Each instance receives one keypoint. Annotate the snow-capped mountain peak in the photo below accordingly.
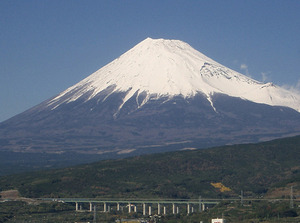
(161, 95)
(160, 67)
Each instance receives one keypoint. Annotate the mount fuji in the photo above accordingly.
(161, 95)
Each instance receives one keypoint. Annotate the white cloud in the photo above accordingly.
(265, 76)
(297, 87)
(245, 68)
(294, 88)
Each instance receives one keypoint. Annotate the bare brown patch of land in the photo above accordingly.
(13, 195)
(10, 194)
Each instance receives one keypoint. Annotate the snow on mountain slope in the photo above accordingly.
(161, 67)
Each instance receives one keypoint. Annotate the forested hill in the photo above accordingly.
(216, 172)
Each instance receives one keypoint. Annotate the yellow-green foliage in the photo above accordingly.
(221, 187)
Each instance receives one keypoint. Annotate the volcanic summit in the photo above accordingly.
(161, 95)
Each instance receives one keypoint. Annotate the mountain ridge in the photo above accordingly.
(110, 121)
(254, 168)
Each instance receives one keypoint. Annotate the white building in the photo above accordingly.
(218, 220)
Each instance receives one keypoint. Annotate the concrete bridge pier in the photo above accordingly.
(188, 208)
(173, 208)
(118, 207)
(104, 207)
(76, 206)
(129, 207)
(144, 209)
(158, 209)
(91, 207)
(165, 210)
(150, 210)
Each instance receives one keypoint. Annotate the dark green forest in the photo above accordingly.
(265, 172)
(253, 168)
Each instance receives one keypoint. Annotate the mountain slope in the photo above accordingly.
(156, 68)
(161, 95)
(253, 168)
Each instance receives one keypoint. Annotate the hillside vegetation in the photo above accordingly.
(211, 173)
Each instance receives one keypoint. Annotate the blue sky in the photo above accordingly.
(48, 45)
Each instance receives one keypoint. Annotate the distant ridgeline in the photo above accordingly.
(212, 173)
